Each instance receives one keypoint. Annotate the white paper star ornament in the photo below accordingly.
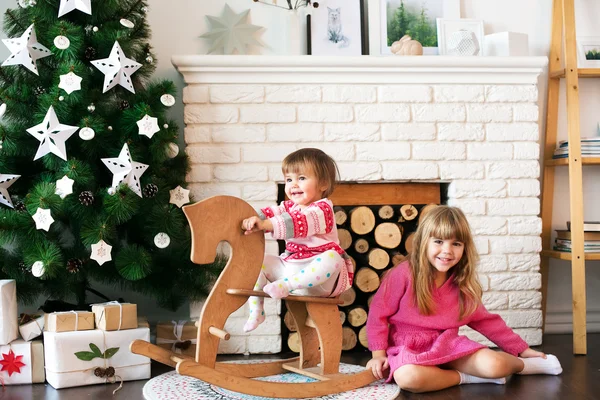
(42, 219)
(230, 32)
(179, 196)
(52, 135)
(101, 252)
(66, 6)
(117, 69)
(148, 126)
(125, 170)
(5, 182)
(25, 50)
(70, 82)
(64, 186)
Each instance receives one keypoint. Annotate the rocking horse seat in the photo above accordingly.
(302, 299)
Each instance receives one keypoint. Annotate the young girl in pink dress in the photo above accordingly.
(415, 315)
(313, 264)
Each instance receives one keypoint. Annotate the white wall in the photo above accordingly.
(177, 24)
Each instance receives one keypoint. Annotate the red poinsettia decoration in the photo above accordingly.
(11, 363)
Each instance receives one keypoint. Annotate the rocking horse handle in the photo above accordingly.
(212, 221)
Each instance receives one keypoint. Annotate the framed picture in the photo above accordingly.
(389, 20)
(588, 52)
(460, 37)
(336, 29)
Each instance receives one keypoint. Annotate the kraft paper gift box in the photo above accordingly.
(114, 316)
(177, 336)
(66, 321)
(9, 329)
(73, 357)
(25, 365)
(31, 326)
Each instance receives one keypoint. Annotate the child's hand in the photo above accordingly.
(529, 352)
(255, 224)
(378, 365)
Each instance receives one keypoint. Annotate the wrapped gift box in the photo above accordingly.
(25, 365)
(9, 329)
(72, 357)
(31, 326)
(177, 336)
(68, 321)
(114, 316)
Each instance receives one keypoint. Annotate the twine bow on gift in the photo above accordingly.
(111, 303)
(76, 317)
(178, 344)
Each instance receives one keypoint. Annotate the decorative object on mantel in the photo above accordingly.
(297, 4)
(407, 47)
(338, 29)
(588, 51)
(231, 32)
(506, 44)
(463, 43)
(460, 37)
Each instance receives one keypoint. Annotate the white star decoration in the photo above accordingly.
(66, 6)
(70, 82)
(101, 252)
(42, 219)
(117, 68)
(179, 196)
(126, 170)
(5, 182)
(52, 135)
(231, 31)
(25, 50)
(64, 186)
(148, 126)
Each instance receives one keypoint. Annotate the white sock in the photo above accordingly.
(466, 379)
(538, 365)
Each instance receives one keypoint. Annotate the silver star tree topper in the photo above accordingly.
(117, 68)
(66, 6)
(230, 32)
(126, 170)
(5, 182)
(25, 50)
(52, 135)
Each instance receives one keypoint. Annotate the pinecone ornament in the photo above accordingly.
(38, 91)
(74, 265)
(20, 206)
(90, 53)
(86, 198)
(150, 190)
(124, 105)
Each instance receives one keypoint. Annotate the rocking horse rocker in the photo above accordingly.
(320, 329)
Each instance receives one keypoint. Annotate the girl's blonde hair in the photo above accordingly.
(444, 222)
(324, 167)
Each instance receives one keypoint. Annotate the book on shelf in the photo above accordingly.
(588, 226)
(588, 244)
(590, 147)
(561, 234)
(568, 249)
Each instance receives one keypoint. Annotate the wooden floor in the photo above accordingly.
(579, 381)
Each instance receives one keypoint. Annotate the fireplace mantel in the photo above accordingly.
(361, 69)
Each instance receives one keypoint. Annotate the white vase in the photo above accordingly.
(290, 30)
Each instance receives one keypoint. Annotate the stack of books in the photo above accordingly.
(590, 147)
(591, 238)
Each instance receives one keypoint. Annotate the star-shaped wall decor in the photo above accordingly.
(64, 186)
(42, 219)
(101, 252)
(70, 82)
(117, 68)
(148, 126)
(11, 363)
(126, 170)
(230, 32)
(5, 182)
(66, 6)
(179, 196)
(52, 135)
(25, 50)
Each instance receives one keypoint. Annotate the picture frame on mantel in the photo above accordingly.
(385, 19)
(588, 51)
(336, 28)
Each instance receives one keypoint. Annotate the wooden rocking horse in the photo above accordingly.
(219, 219)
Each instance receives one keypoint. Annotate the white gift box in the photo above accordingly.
(72, 357)
(9, 329)
(506, 44)
(28, 357)
(33, 328)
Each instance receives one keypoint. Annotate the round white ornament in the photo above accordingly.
(95, 29)
(2, 110)
(162, 240)
(111, 191)
(62, 42)
(87, 133)
(172, 150)
(61, 98)
(167, 100)
(37, 269)
(127, 23)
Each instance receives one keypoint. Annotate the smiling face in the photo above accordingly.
(444, 254)
(303, 187)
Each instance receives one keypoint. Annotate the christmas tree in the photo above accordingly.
(91, 177)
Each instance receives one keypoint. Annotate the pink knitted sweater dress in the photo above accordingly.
(395, 325)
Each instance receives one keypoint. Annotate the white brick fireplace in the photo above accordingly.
(470, 122)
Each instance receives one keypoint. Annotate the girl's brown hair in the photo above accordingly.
(444, 222)
(323, 166)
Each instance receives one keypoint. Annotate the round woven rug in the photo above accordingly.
(172, 386)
